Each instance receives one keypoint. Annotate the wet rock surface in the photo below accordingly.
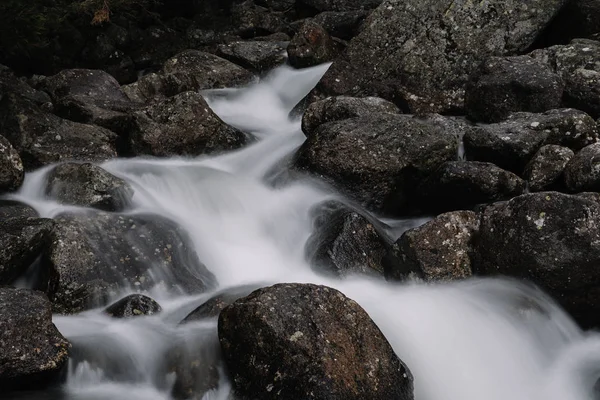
(308, 341)
(582, 173)
(33, 353)
(256, 56)
(545, 170)
(132, 306)
(311, 46)
(212, 307)
(11, 167)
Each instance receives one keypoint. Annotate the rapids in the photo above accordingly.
(249, 221)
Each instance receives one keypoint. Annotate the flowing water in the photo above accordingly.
(486, 339)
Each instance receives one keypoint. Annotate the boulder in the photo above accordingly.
(251, 20)
(512, 143)
(9, 83)
(461, 185)
(256, 56)
(549, 238)
(300, 341)
(378, 159)
(277, 5)
(343, 107)
(11, 167)
(132, 306)
(212, 307)
(419, 53)
(341, 24)
(95, 256)
(503, 85)
(33, 353)
(341, 5)
(439, 250)
(88, 185)
(344, 242)
(577, 19)
(545, 170)
(582, 173)
(311, 46)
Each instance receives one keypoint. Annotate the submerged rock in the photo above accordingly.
(132, 306)
(11, 167)
(582, 173)
(311, 46)
(307, 341)
(545, 170)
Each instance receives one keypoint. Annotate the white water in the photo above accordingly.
(471, 340)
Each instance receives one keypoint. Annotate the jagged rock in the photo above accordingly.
(11, 167)
(9, 83)
(545, 169)
(132, 306)
(251, 20)
(341, 24)
(303, 340)
(212, 307)
(549, 238)
(419, 53)
(439, 250)
(341, 5)
(94, 256)
(256, 56)
(503, 85)
(33, 353)
(311, 46)
(512, 143)
(461, 185)
(582, 173)
(88, 185)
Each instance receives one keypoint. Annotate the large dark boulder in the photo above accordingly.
(33, 353)
(342, 24)
(11, 167)
(133, 305)
(551, 239)
(582, 173)
(250, 20)
(512, 143)
(439, 250)
(419, 53)
(94, 256)
(300, 341)
(377, 159)
(577, 19)
(503, 85)
(88, 185)
(212, 307)
(311, 46)
(256, 56)
(545, 170)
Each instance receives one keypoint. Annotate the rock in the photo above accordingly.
(9, 83)
(341, 5)
(33, 353)
(212, 307)
(419, 54)
(461, 185)
(343, 107)
(550, 239)
(181, 125)
(11, 167)
(23, 236)
(256, 56)
(577, 19)
(251, 20)
(582, 173)
(132, 306)
(146, 89)
(512, 143)
(311, 46)
(379, 158)
(439, 250)
(94, 256)
(545, 170)
(503, 85)
(344, 242)
(302, 341)
(277, 5)
(88, 185)
(341, 24)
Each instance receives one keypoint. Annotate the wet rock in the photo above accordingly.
(88, 185)
(549, 238)
(212, 307)
(341, 24)
(379, 158)
(256, 56)
(545, 170)
(251, 20)
(303, 340)
(343, 107)
(311, 46)
(582, 173)
(132, 306)
(512, 143)
(461, 185)
(11, 167)
(344, 242)
(341, 5)
(33, 353)
(419, 54)
(181, 125)
(503, 85)
(94, 256)
(439, 250)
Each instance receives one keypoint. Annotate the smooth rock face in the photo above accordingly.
(511, 144)
(95, 256)
(419, 53)
(298, 341)
(88, 185)
(439, 250)
(132, 306)
(377, 159)
(545, 170)
(461, 185)
(582, 173)
(32, 351)
(11, 167)
(212, 307)
(549, 238)
(311, 46)
(503, 85)
(255, 56)
(345, 242)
